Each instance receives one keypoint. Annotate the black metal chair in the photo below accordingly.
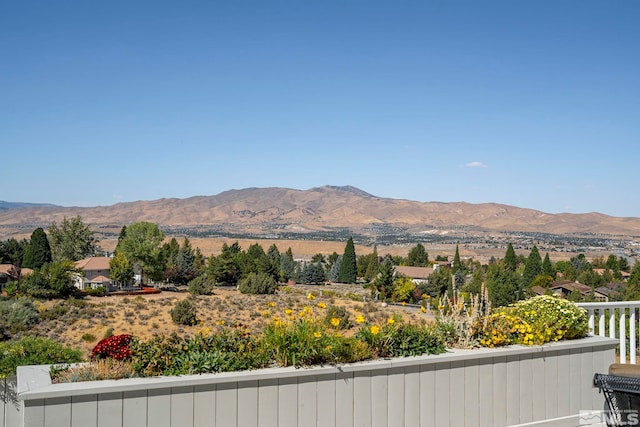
(621, 389)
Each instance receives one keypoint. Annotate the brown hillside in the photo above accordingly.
(258, 210)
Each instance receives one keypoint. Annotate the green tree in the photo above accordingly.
(38, 251)
(418, 256)
(373, 267)
(382, 285)
(348, 268)
(141, 245)
(533, 266)
(72, 240)
(121, 269)
(504, 286)
(312, 274)
(12, 251)
(510, 260)
(287, 266)
(457, 264)
(60, 277)
(547, 268)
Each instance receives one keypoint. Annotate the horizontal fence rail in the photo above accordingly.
(619, 320)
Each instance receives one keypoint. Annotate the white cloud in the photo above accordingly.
(475, 165)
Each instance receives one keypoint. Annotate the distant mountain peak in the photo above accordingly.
(346, 188)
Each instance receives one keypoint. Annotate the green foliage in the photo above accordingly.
(348, 268)
(141, 245)
(201, 285)
(31, 350)
(533, 266)
(12, 251)
(17, 315)
(303, 343)
(121, 269)
(88, 337)
(418, 256)
(38, 251)
(258, 283)
(510, 260)
(312, 274)
(457, 264)
(72, 240)
(536, 320)
(397, 339)
(382, 285)
(403, 288)
(184, 313)
(228, 350)
(100, 291)
(337, 318)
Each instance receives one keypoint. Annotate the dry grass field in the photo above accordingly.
(147, 315)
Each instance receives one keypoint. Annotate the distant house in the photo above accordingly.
(9, 273)
(624, 274)
(564, 287)
(417, 274)
(95, 273)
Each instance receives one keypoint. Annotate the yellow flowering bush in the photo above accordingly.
(537, 320)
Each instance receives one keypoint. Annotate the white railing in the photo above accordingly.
(603, 318)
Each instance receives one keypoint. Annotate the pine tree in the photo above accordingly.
(533, 266)
(38, 251)
(547, 268)
(374, 265)
(510, 260)
(457, 264)
(348, 267)
(418, 256)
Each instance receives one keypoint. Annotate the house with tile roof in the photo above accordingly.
(94, 273)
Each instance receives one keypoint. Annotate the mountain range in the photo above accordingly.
(327, 209)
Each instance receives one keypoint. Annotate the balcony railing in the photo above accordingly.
(616, 320)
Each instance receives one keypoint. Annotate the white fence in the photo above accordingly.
(545, 385)
(616, 320)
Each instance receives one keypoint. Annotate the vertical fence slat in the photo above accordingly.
(632, 335)
(592, 322)
(612, 323)
(623, 336)
(601, 328)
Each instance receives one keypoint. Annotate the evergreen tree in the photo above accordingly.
(334, 271)
(373, 267)
(533, 266)
(418, 256)
(510, 260)
(312, 274)
(348, 267)
(38, 251)
(287, 266)
(12, 251)
(273, 254)
(123, 232)
(547, 268)
(382, 285)
(457, 264)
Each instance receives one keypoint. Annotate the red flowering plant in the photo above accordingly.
(114, 347)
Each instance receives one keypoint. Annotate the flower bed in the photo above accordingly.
(321, 335)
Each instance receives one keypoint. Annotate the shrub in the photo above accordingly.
(184, 313)
(201, 285)
(258, 283)
(337, 318)
(88, 337)
(114, 347)
(18, 315)
(31, 350)
(105, 369)
(108, 332)
(536, 320)
(100, 291)
(396, 339)
(228, 350)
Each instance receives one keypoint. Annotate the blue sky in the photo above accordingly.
(534, 104)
